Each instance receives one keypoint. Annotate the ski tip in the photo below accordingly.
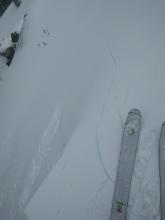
(135, 111)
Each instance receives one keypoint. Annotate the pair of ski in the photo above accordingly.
(126, 166)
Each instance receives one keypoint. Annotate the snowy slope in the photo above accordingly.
(80, 67)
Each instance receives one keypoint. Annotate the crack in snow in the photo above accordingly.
(101, 116)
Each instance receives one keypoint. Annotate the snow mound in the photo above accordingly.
(9, 44)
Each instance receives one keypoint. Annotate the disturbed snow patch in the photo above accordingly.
(42, 161)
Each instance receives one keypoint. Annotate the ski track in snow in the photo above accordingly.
(40, 163)
(100, 156)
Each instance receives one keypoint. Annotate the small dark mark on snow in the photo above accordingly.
(44, 43)
(113, 57)
(46, 31)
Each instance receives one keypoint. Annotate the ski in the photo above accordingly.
(125, 168)
(162, 170)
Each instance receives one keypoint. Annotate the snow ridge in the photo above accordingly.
(40, 163)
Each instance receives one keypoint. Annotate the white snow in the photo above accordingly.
(98, 59)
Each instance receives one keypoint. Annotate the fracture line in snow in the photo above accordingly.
(101, 115)
(98, 142)
(100, 156)
(113, 58)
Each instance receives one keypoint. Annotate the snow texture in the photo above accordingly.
(42, 163)
(99, 59)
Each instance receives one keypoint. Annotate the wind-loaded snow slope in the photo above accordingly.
(79, 68)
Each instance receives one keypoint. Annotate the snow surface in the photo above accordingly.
(80, 67)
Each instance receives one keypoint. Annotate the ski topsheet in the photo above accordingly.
(125, 165)
(162, 170)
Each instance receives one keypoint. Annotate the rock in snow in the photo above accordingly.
(9, 44)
